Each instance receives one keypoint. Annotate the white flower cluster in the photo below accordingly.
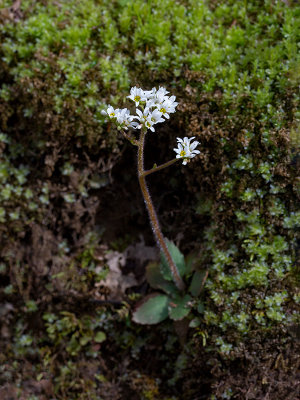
(186, 149)
(154, 105)
(122, 117)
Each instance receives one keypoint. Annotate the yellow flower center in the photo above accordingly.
(163, 110)
(112, 114)
(182, 153)
(137, 98)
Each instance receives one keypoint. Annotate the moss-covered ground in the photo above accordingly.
(75, 237)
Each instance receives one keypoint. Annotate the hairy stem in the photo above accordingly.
(152, 214)
(160, 167)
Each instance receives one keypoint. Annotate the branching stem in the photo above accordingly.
(152, 214)
(160, 167)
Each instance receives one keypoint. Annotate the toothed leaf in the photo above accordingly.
(157, 281)
(177, 258)
(152, 309)
(179, 308)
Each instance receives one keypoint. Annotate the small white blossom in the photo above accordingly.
(167, 106)
(142, 116)
(124, 119)
(149, 124)
(154, 92)
(156, 117)
(150, 94)
(111, 112)
(162, 91)
(149, 118)
(123, 115)
(156, 97)
(186, 149)
(137, 95)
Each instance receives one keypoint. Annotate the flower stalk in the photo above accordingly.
(154, 105)
(152, 214)
(160, 167)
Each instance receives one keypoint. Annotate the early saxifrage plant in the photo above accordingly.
(153, 107)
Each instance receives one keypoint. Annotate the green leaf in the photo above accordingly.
(152, 309)
(157, 281)
(100, 337)
(179, 308)
(178, 259)
(197, 283)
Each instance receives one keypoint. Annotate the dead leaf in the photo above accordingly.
(116, 281)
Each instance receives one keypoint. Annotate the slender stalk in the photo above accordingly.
(160, 167)
(152, 214)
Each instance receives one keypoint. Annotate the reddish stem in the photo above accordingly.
(152, 214)
(160, 167)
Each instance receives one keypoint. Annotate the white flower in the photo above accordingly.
(186, 149)
(150, 94)
(121, 117)
(167, 106)
(111, 112)
(149, 118)
(124, 119)
(149, 124)
(162, 91)
(155, 116)
(156, 97)
(142, 116)
(137, 95)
